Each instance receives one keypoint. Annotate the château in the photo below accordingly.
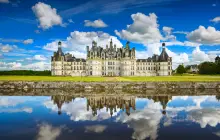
(110, 61)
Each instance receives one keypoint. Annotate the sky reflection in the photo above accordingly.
(109, 117)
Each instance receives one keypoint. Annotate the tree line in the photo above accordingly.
(203, 68)
(26, 72)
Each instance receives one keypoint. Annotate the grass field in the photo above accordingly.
(112, 79)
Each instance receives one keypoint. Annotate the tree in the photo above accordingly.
(26, 72)
(187, 68)
(180, 69)
(208, 68)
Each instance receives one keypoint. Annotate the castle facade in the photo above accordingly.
(111, 61)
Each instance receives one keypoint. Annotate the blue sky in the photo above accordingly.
(30, 30)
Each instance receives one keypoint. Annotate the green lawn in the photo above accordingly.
(112, 79)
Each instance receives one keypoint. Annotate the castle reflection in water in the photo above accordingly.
(111, 103)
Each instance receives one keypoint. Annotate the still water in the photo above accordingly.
(109, 117)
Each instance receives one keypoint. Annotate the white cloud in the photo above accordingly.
(95, 128)
(199, 56)
(18, 66)
(78, 54)
(144, 29)
(168, 33)
(5, 48)
(70, 21)
(4, 1)
(48, 132)
(14, 110)
(39, 57)
(178, 58)
(10, 65)
(77, 41)
(191, 44)
(209, 36)
(181, 32)
(216, 20)
(214, 52)
(167, 30)
(53, 46)
(96, 23)
(37, 66)
(28, 41)
(47, 16)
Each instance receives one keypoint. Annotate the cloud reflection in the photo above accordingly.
(145, 123)
(95, 128)
(48, 132)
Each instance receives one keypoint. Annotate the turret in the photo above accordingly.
(60, 52)
(163, 56)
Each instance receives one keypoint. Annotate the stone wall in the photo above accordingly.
(107, 85)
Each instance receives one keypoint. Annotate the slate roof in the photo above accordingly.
(163, 56)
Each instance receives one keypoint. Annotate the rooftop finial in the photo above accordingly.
(163, 44)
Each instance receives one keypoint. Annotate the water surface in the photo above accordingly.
(114, 116)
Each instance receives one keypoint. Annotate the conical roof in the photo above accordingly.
(163, 56)
(60, 52)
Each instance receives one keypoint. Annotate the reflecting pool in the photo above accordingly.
(109, 116)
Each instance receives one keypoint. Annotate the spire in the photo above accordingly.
(111, 44)
(127, 45)
(59, 44)
(60, 52)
